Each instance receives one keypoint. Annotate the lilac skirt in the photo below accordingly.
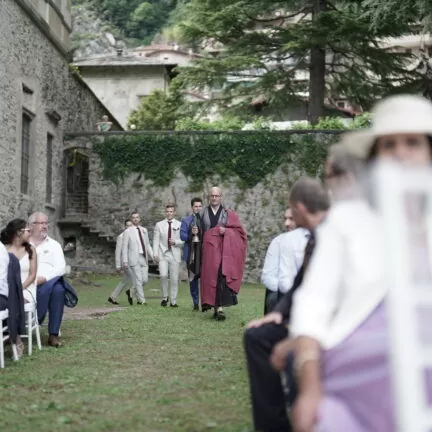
(356, 381)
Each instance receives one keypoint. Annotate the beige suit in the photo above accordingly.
(127, 277)
(134, 258)
(169, 258)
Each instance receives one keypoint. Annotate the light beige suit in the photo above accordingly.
(169, 259)
(134, 259)
(127, 276)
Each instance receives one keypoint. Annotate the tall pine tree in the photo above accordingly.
(264, 50)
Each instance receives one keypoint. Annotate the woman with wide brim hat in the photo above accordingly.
(338, 319)
(401, 129)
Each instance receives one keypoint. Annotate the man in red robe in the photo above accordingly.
(223, 256)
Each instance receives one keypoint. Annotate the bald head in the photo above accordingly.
(215, 196)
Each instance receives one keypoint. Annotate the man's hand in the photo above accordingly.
(280, 353)
(305, 411)
(40, 280)
(156, 259)
(272, 317)
(195, 230)
(172, 241)
(125, 265)
(119, 270)
(221, 230)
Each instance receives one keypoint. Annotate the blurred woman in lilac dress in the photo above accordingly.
(339, 319)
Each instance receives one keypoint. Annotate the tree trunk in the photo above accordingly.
(317, 72)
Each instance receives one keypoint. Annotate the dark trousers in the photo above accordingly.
(51, 299)
(268, 398)
(271, 299)
(194, 291)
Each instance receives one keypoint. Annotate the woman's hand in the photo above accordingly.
(280, 353)
(305, 412)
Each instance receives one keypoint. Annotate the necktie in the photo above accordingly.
(169, 234)
(141, 241)
(308, 251)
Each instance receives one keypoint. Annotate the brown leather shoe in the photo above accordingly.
(54, 341)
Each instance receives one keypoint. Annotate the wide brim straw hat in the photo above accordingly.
(401, 114)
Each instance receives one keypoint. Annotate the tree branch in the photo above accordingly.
(306, 9)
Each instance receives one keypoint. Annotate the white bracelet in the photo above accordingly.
(304, 358)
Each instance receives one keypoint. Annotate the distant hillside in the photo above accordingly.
(102, 25)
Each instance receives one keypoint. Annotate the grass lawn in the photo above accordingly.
(145, 368)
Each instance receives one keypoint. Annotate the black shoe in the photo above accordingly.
(164, 303)
(130, 300)
(174, 305)
(110, 300)
(196, 308)
(220, 316)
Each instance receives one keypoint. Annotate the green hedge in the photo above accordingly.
(247, 156)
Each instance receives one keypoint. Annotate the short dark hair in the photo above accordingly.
(195, 200)
(311, 194)
(170, 205)
(134, 213)
(126, 221)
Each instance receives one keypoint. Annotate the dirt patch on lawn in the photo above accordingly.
(89, 313)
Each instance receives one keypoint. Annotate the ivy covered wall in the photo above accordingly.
(143, 171)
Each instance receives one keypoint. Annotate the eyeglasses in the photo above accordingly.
(25, 229)
(40, 223)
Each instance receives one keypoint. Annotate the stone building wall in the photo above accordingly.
(260, 208)
(36, 81)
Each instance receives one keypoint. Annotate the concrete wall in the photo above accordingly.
(35, 79)
(121, 88)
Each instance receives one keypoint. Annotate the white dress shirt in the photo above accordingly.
(50, 259)
(292, 249)
(4, 265)
(345, 279)
(283, 259)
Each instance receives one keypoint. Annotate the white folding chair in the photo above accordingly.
(4, 315)
(32, 324)
(410, 356)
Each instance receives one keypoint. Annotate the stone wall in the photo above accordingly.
(35, 79)
(260, 208)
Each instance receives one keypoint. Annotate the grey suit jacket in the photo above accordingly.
(130, 248)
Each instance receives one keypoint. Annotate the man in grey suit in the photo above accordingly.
(127, 278)
(136, 253)
(167, 246)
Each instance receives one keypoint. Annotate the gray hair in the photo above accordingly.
(311, 194)
(32, 218)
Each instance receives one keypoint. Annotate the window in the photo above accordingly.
(49, 161)
(25, 153)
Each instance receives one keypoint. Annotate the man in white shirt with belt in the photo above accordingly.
(167, 247)
(50, 296)
(283, 259)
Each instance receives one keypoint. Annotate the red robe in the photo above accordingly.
(229, 251)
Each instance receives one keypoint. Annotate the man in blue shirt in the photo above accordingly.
(190, 248)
